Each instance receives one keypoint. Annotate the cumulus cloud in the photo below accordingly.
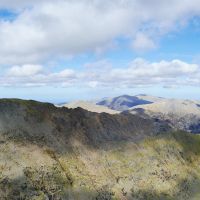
(143, 73)
(48, 29)
(35, 76)
(24, 70)
(137, 73)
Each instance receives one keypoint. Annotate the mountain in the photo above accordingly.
(56, 153)
(35, 119)
(182, 114)
(122, 103)
(167, 106)
(90, 106)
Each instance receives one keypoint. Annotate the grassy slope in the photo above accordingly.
(160, 167)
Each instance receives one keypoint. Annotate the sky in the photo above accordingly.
(67, 50)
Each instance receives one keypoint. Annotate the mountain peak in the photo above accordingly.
(123, 102)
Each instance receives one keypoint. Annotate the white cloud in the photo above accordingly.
(138, 73)
(49, 29)
(24, 70)
(64, 74)
(36, 76)
(143, 73)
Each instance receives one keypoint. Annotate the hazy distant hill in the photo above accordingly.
(123, 102)
(182, 114)
(56, 153)
(149, 98)
(90, 106)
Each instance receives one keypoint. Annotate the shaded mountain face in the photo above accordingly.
(32, 120)
(65, 154)
(123, 102)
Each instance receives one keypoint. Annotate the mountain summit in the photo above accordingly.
(122, 103)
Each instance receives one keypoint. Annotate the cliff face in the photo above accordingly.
(58, 153)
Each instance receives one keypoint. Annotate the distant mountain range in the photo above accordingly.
(113, 105)
(181, 114)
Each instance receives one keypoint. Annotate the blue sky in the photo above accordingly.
(86, 49)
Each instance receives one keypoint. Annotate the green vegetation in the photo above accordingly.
(163, 167)
(33, 108)
(40, 162)
(51, 181)
(41, 183)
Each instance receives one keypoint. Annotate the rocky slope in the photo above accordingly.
(58, 153)
(182, 114)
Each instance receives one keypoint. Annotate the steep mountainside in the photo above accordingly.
(59, 154)
(123, 102)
